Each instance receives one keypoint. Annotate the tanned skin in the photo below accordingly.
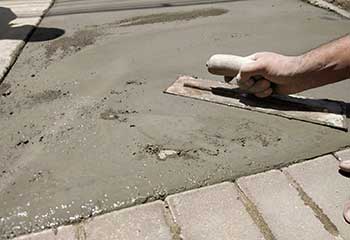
(281, 74)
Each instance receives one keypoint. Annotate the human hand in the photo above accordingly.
(271, 73)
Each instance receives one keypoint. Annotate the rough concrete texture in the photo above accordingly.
(282, 207)
(84, 116)
(141, 222)
(62, 233)
(213, 212)
(343, 154)
(321, 181)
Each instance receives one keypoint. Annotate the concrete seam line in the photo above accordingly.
(329, 6)
(254, 213)
(328, 225)
(341, 149)
(80, 233)
(175, 229)
(15, 54)
(335, 156)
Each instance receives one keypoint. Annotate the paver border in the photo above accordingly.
(18, 45)
(329, 6)
(175, 229)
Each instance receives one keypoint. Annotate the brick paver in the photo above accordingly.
(142, 222)
(63, 233)
(320, 179)
(282, 208)
(213, 212)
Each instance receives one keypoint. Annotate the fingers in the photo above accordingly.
(259, 86)
(264, 94)
(247, 72)
(244, 84)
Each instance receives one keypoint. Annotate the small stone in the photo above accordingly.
(163, 154)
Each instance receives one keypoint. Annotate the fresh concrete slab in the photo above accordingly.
(141, 222)
(86, 117)
(214, 212)
(321, 181)
(282, 208)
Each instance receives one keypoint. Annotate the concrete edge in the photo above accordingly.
(79, 227)
(329, 6)
(6, 67)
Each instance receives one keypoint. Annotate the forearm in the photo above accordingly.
(327, 64)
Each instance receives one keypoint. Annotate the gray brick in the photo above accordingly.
(343, 155)
(213, 212)
(282, 208)
(321, 181)
(141, 222)
(63, 233)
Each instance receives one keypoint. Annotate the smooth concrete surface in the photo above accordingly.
(86, 116)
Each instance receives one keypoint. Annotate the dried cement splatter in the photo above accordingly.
(45, 96)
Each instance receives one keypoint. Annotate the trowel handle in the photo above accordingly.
(226, 65)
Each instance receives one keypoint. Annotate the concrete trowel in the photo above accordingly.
(318, 111)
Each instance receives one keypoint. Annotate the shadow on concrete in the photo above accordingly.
(344, 174)
(10, 31)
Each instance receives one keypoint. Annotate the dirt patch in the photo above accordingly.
(171, 17)
(65, 46)
(345, 4)
(68, 45)
(45, 96)
(134, 82)
(264, 137)
(111, 114)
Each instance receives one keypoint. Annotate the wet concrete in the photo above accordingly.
(83, 127)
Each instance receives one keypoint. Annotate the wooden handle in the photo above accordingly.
(226, 65)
